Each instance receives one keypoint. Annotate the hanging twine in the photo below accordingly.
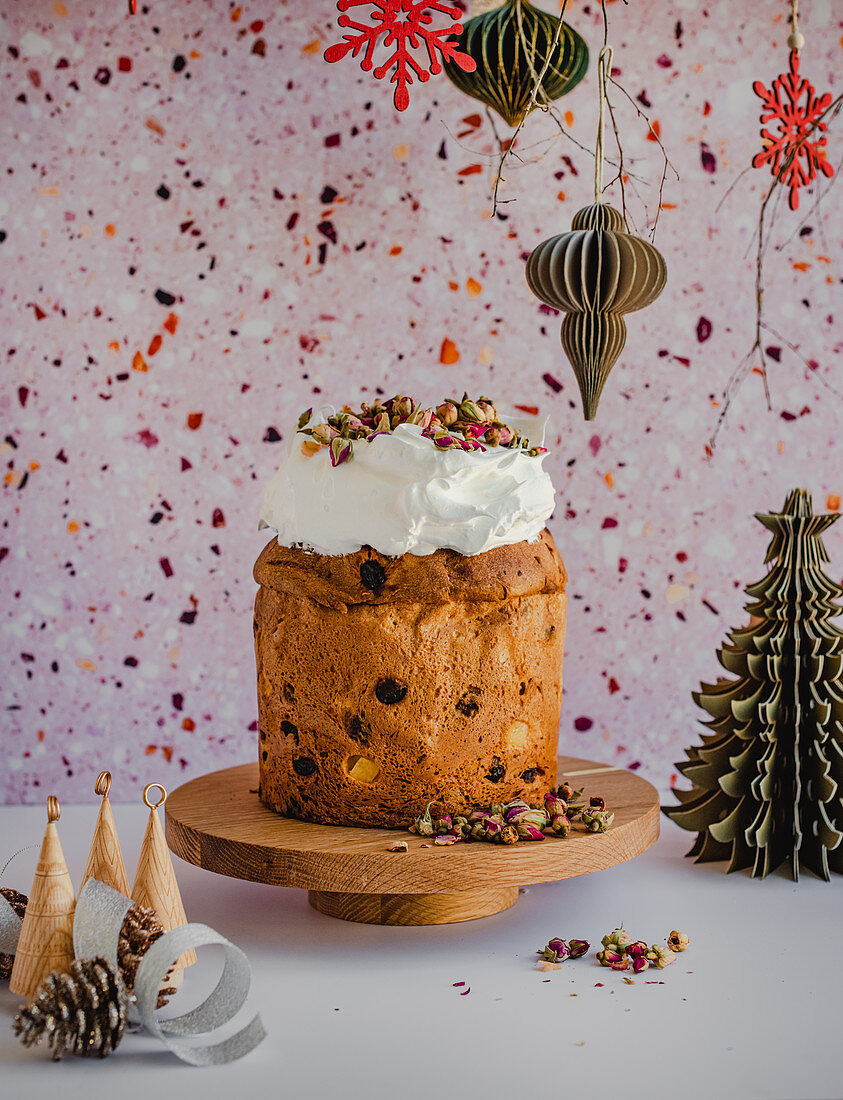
(480, 7)
(604, 70)
(795, 40)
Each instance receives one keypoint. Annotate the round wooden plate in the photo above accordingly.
(217, 822)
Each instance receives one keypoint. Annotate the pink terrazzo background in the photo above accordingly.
(285, 236)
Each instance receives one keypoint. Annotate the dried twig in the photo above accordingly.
(534, 102)
(742, 369)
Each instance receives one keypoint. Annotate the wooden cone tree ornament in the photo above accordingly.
(105, 860)
(595, 274)
(46, 938)
(511, 45)
(155, 879)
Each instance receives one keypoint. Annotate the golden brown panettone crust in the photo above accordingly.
(444, 672)
(524, 569)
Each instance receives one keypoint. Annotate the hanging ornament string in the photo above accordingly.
(795, 41)
(604, 66)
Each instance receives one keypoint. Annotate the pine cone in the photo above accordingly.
(83, 1012)
(17, 900)
(141, 928)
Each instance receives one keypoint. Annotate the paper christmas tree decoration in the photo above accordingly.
(595, 273)
(510, 45)
(46, 937)
(768, 777)
(105, 860)
(155, 883)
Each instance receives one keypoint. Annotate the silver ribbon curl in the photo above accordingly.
(100, 912)
(10, 926)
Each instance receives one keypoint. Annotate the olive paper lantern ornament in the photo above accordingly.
(510, 46)
(596, 273)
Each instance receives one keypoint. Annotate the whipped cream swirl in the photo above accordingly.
(402, 495)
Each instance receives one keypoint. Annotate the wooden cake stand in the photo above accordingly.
(217, 822)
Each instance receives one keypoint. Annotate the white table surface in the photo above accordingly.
(750, 1010)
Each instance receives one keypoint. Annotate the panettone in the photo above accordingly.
(390, 680)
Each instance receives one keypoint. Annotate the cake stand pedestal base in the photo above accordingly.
(219, 823)
(407, 909)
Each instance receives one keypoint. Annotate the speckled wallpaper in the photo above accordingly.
(207, 229)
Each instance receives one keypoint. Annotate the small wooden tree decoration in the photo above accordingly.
(105, 860)
(768, 778)
(46, 937)
(155, 879)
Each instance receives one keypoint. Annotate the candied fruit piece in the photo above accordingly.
(362, 769)
(517, 734)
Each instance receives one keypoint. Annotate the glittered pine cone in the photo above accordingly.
(595, 273)
(83, 1012)
(17, 900)
(510, 45)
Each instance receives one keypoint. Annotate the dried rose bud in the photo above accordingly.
(305, 418)
(537, 818)
(443, 824)
(565, 791)
(403, 406)
(561, 825)
(677, 941)
(479, 815)
(488, 408)
(423, 417)
(423, 825)
(324, 433)
(660, 956)
(578, 948)
(554, 805)
(639, 964)
(597, 803)
(474, 431)
(556, 951)
(534, 452)
(493, 829)
(399, 846)
(448, 413)
(506, 435)
(492, 436)
(637, 949)
(472, 412)
(516, 806)
(470, 445)
(382, 422)
(529, 832)
(341, 450)
(596, 821)
(617, 940)
(612, 958)
(509, 834)
(444, 441)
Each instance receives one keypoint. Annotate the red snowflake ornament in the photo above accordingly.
(401, 25)
(796, 153)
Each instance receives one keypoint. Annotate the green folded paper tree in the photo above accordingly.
(768, 777)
